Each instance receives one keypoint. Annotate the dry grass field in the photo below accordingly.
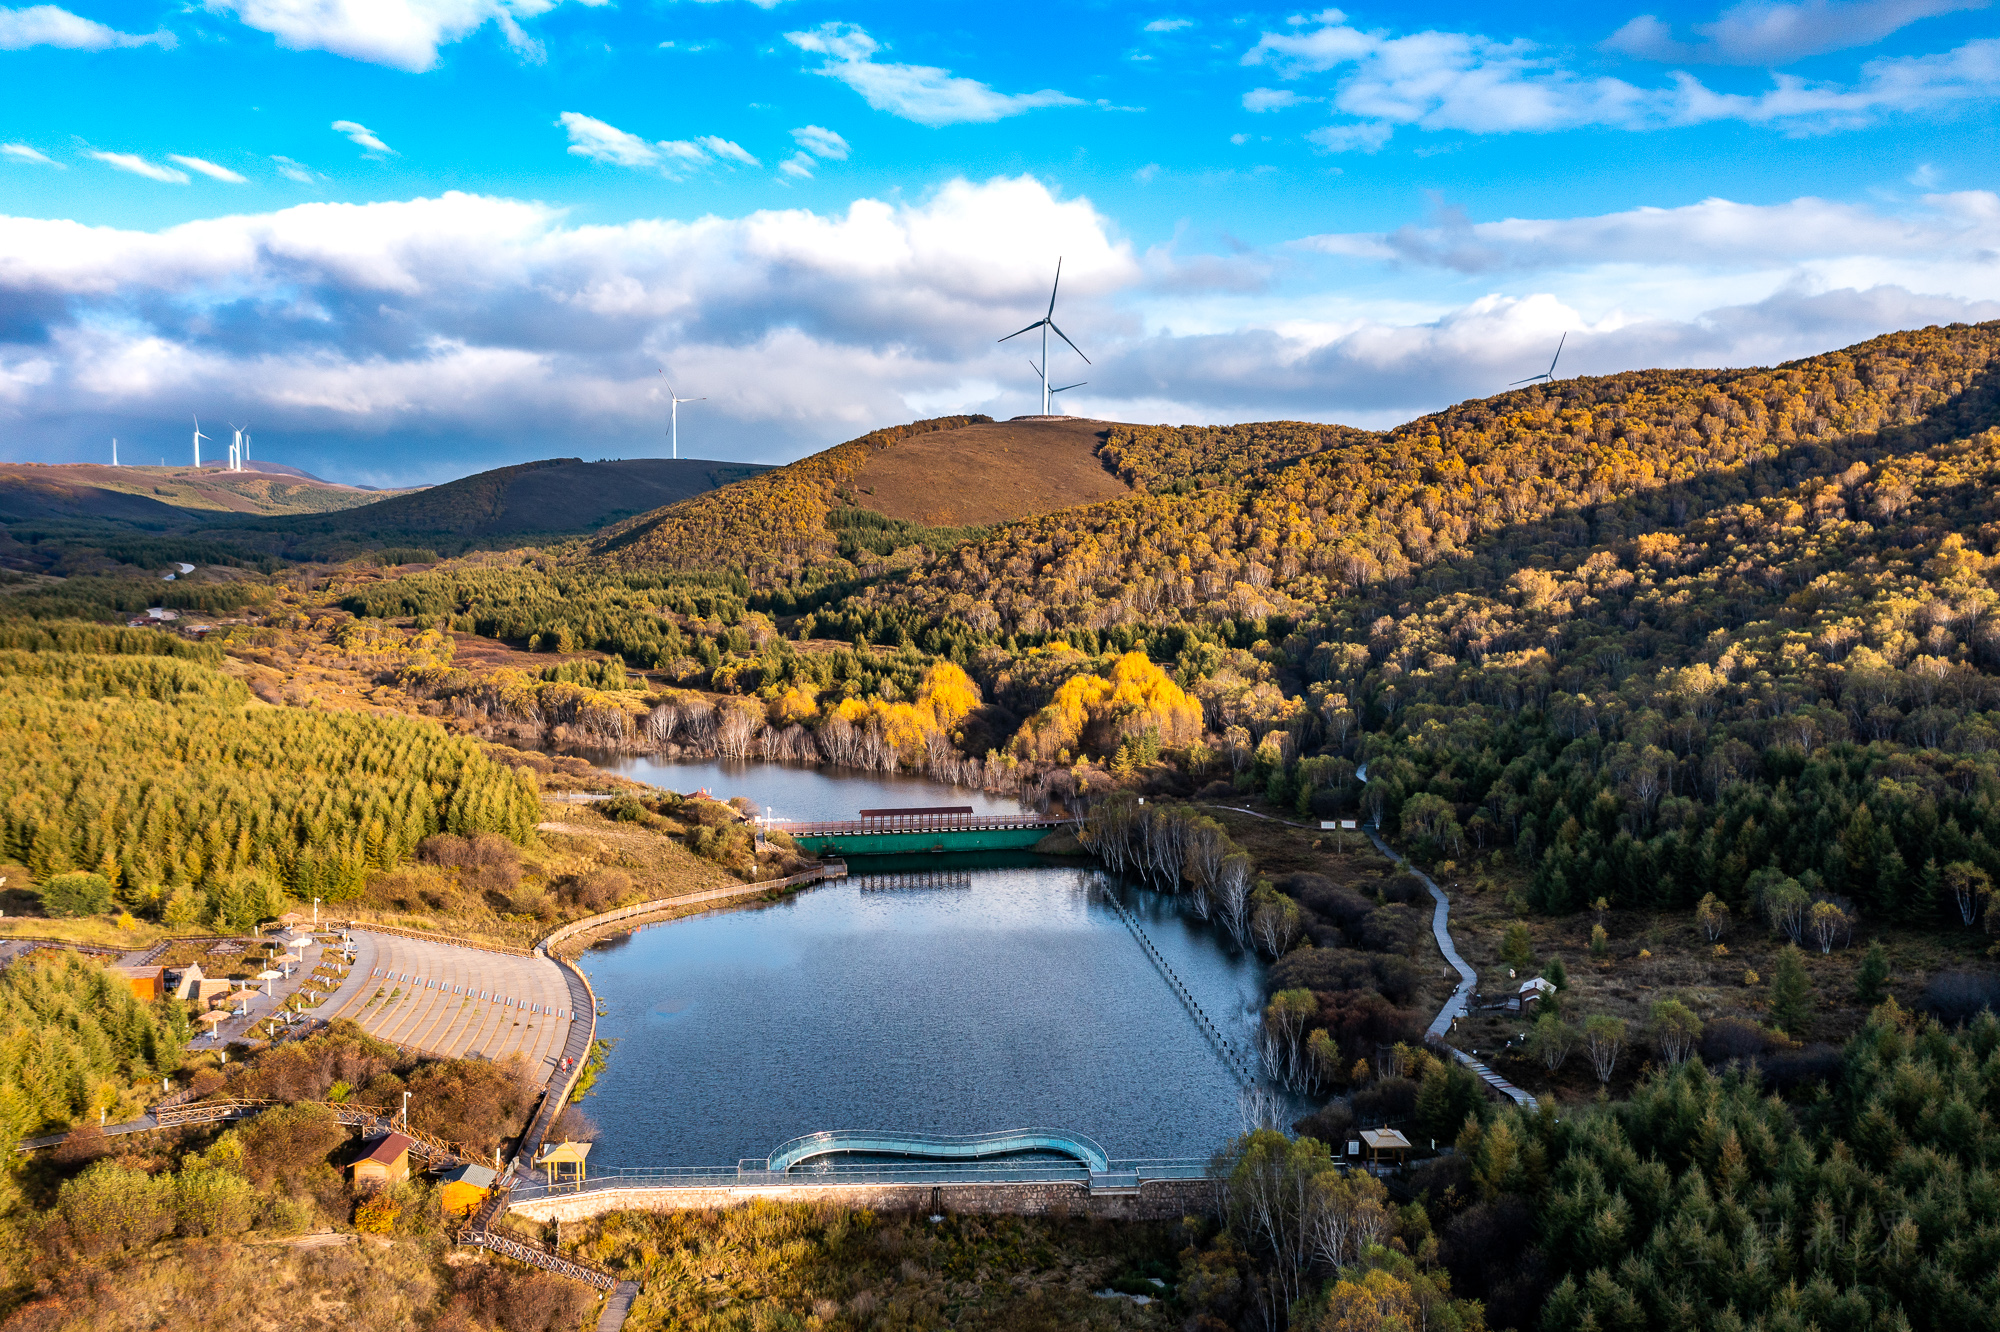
(994, 473)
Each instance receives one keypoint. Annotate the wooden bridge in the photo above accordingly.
(936, 828)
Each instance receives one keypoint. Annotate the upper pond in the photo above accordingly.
(1000, 992)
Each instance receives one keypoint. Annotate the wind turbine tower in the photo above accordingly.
(1046, 323)
(674, 414)
(198, 438)
(114, 450)
(235, 449)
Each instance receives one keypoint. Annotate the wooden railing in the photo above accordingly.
(548, 1260)
(909, 823)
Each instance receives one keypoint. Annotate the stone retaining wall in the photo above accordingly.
(1155, 1200)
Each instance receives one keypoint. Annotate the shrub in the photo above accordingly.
(78, 893)
(110, 1207)
(1956, 997)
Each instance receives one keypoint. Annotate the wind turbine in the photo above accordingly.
(1045, 323)
(1548, 374)
(674, 413)
(198, 438)
(114, 450)
(236, 450)
(1066, 388)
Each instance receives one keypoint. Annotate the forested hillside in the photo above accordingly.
(155, 779)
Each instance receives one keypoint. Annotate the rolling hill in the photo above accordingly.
(554, 497)
(155, 497)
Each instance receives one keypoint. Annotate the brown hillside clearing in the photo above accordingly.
(993, 473)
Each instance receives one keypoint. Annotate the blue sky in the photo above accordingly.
(411, 238)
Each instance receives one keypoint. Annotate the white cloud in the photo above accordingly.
(723, 148)
(821, 142)
(601, 142)
(402, 34)
(1365, 137)
(49, 25)
(1168, 25)
(1464, 81)
(208, 169)
(922, 93)
(1714, 235)
(365, 138)
(1271, 99)
(799, 166)
(139, 166)
(437, 336)
(296, 171)
(1147, 174)
(21, 152)
(1757, 32)
(486, 318)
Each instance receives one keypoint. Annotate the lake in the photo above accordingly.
(932, 994)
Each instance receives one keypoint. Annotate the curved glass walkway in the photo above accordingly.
(938, 1147)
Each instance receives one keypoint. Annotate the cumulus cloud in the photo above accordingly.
(139, 166)
(394, 333)
(208, 168)
(922, 93)
(1757, 32)
(500, 320)
(1381, 372)
(364, 138)
(799, 166)
(821, 142)
(21, 152)
(402, 34)
(1466, 81)
(49, 25)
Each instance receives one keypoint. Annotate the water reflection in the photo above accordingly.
(800, 791)
(1018, 999)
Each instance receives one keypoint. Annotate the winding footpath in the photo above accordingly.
(1468, 979)
(1454, 1007)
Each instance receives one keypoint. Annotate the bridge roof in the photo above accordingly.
(939, 1147)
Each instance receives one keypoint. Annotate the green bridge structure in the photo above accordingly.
(929, 829)
(938, 1147)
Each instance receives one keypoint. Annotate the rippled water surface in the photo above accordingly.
(989, 992)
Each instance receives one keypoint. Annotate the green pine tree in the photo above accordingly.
(1792, 993)
(1872, 981)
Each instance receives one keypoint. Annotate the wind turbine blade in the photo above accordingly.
(1067, 387)
(1529, 380)
(1559, 354)
(1029, 329)
(1053, 288)
(1072, 346)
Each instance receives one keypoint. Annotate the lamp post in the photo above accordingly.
(406, 1110)
(315, 913)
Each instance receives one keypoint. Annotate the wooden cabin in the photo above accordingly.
(386, 1162)
(148, 983)
(465, 1187)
